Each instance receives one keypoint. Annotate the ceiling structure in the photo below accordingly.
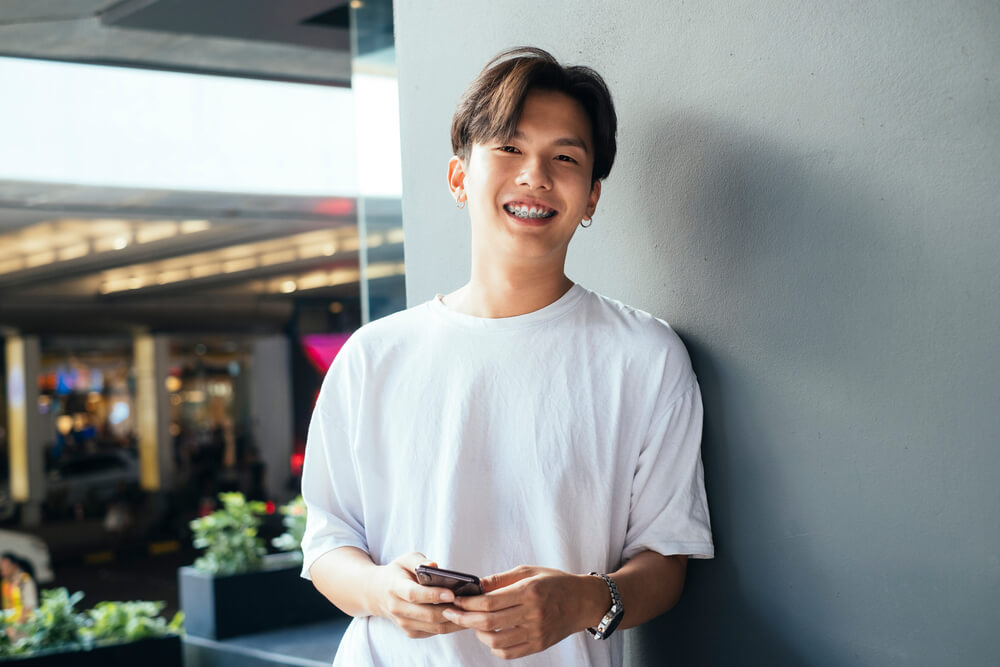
(98, 259)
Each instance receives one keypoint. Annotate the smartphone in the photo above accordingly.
(459, 582)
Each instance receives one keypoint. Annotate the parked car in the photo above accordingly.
(89, 483)
(31, 548)
(86, 484)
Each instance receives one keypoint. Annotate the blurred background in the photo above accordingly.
(199, 202)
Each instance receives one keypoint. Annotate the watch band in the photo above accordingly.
(613, 616)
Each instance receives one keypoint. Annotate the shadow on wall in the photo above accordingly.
(774, 257)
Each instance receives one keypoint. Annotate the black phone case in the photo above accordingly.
(459, 582)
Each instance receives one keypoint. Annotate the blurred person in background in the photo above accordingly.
(19, 591)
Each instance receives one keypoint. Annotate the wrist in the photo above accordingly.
(375, 591)
(596, 600)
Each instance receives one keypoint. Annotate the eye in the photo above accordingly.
(566, 158)
(508, 149)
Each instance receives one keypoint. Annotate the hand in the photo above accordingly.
(416, 609)
(528, 609)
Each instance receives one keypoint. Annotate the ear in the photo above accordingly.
(595, 194)
(456, 178)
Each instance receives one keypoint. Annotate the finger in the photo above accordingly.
(485, 621)
(502, 598)
(510, 639)
(411, 591)
(504, 579)
(411, 560)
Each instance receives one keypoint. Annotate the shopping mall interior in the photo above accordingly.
(202, 202)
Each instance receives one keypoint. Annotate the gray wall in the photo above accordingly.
(809, 195)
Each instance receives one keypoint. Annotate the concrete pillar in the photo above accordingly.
(271, 407)
(26, 441)
(156, 461)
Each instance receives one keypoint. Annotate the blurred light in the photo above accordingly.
(155, 231)
(74, 251)
(296, 462)
(280, 257)
(288, 286)
(357, 4)
(44, 403)
(119, 412)
(173, 383)
(336, 307)
(175, 399)
(269, 507)
(40, 259)
(172, 276)
(194, 396)
(175, 430)
(64, 424)
(193, 226)
(234, 265)
(119, 243)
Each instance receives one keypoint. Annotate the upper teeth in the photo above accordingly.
(529, 211)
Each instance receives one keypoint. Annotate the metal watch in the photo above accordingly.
(614, 615)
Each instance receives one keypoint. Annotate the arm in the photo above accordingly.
(528, 609)
(348, 578)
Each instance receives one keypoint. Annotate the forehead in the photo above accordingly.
(554, 117)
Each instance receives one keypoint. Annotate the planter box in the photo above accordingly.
(157, 652)
(218, 607)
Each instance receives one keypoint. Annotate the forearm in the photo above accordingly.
(344, 576)
(649, 584)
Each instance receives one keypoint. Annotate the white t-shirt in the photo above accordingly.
(568, 437)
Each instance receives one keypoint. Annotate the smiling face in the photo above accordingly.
(526, 196)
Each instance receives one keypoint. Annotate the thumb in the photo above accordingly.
(504, 579)
(411, 560)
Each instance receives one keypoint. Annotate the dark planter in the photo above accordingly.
(219, 607)
(157, 652)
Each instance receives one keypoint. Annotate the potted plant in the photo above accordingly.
(112, 633)
(234, 588)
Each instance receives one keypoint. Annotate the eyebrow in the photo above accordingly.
(561, 141)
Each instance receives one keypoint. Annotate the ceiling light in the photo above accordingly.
(288, 286)
(119, 243)
(192, 226)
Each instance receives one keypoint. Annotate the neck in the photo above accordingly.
(506, 291)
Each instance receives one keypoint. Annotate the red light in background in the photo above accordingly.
(269, 507)
(297, 461)
(335, 206)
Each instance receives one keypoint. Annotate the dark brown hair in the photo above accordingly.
(490, 107)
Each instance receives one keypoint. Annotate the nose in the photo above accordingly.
(534, 174)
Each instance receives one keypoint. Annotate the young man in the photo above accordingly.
(521, 427)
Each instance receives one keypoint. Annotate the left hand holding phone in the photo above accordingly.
(417, 610)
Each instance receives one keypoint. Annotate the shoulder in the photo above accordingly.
(387, 332)
(637, 326)
(648, 341)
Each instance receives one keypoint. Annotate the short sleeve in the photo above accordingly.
(335, 516)
(669, 509)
